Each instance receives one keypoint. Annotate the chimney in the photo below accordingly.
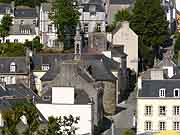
(139, 83)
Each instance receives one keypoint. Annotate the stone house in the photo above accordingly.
(26, 15)
(14, 70)
(97, 75)
(158, 106)
(124, 36)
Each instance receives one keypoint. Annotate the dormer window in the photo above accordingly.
(13, 67)
(45, 67)
(176, 92)
(162, 92)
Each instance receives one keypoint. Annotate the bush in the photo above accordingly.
(12, 49)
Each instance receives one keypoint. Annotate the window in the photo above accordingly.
(49, 28)
(162, 92)
(2, 79)
(15, 40)
(176, 92)
(162, 110)
(98, 27)
(45, 67)
(86, 28)
(7, 41)
(46, 98)
(176, 126)
(176, 110)
(148, 110)
(162, 126)
(148, 125)
(34, 21)
(22, 21)
(13, 67)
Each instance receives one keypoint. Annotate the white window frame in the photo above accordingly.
(45, 67)
(176, 125)
(176, 89)
(162, 112)
(12, 67)
(86, 27)
(176, 110)
(162, 125)
(162, 92)
(98, 27)
(148, 110)
(148, 125)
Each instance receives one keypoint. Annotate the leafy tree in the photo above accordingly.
(5, 1)
(13, 117)
(121, 15)
(128, 132)
(3, 33)
(32, 115)
(6, 22)
(34, 44)
(65, 16)
(151, 27)
(61, 126)
(11, 121)
(177, 46)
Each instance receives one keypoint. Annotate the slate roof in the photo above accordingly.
(121, 2)
(166, 61)
(25, 13)
(99, 8)
(20, 62)
(39, 60)
(150, 88)
(19, 90)
(19, 29)
(4, 7)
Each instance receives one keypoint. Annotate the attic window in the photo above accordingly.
(162, 92)
(46, 98)
(176, 92)
(45, 67)
(13, 67)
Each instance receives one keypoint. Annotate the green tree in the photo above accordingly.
(32, 115)
(13, 117)
(34, 44)
(61, 126)
(149, 22)
(3, 33)
(11, 121)
(65, 15)
(128, 132)
(121, 15)
(6, 22)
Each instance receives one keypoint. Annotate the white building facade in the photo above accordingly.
(47, 29)
(63, 104)
(158, 106)
(92, 18)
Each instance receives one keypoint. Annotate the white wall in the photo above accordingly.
(170, 71)
(38, 83)
(178, 5)
(84, 111)
(155, 118)
(62, 95)
(21, 38)
(125, 36)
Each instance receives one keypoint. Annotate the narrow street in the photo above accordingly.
(124, 119)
